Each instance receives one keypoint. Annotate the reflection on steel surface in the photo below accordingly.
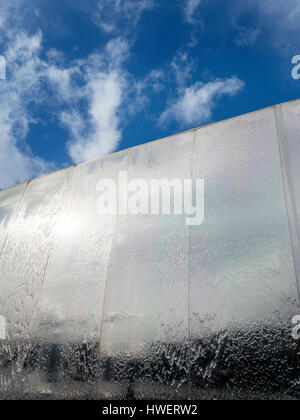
(103, 306)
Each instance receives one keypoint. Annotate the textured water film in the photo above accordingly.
(144, 306)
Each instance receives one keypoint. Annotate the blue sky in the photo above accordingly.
(90, 77)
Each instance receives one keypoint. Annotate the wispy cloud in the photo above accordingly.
(190, 7)
(95, 129)
(247, 36)
(17, 163)
(102, 96)
(194, 104)
(86, 98)
(112, 15)
(282, 20)
(289, 10)
(91, 97)
(182, 65)
(278, 20)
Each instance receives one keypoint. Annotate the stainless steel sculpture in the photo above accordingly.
(145, 306)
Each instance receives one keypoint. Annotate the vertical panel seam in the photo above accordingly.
(189, 277)
(15, 213)
(69, 174)
(288, 187)
(106, 283)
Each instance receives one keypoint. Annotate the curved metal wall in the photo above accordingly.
(145, 306)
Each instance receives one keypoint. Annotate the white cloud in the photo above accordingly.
(194, 104)
(24, 73)
(16, 166)
(190, 8)
(97, 80)
(109, 94)
(182, 66)
(94, 91)
(278, 21)
(281, 18)
(105, 96)
(153, 82)
(90, 97)
(115, 14)
(287, 10)
(17, 163)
